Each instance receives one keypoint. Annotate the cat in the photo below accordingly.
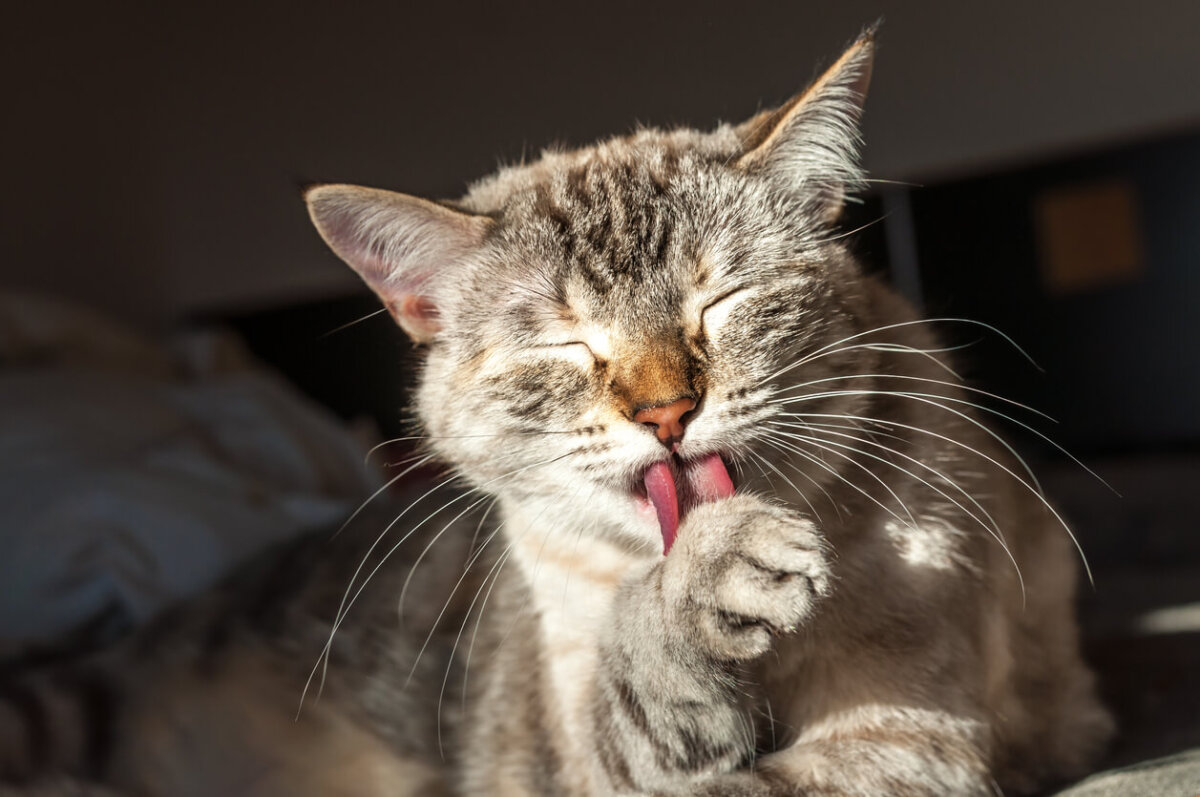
(749, 537)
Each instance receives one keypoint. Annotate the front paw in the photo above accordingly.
(741, 572)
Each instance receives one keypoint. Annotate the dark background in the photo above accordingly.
(152, 155)
(154, 151)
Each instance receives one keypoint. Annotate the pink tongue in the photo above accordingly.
(707, 480)
(660, 489)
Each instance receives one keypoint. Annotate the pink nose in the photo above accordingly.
(667, 419)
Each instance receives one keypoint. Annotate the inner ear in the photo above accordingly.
(405, 248)
(810, 143)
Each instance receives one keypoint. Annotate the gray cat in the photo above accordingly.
(749, 536)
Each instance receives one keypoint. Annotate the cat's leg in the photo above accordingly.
(670, 705)
(874, 750)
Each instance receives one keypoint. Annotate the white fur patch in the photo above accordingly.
(928, 544)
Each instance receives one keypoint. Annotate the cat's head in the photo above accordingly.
(600, 313)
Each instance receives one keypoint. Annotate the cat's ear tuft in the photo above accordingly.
(403, 247)
(811, 143)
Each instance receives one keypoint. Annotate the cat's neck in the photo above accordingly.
(570, 567)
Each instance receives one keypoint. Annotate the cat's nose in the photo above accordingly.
(666, 419)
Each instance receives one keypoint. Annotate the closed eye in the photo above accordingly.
(716, 313)
(572, 343)
(577, 351)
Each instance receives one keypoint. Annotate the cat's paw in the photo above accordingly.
(741, 572)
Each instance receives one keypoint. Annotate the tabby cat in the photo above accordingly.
(749, 534)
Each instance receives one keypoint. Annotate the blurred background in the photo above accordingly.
(1042, 168)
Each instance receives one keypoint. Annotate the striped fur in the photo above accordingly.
(851, 622)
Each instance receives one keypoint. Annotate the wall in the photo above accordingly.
(1117, 358)
(154, 150)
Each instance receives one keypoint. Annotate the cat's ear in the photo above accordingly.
(811, 143)
(401, 246)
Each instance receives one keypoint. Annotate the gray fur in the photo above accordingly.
(850, 623)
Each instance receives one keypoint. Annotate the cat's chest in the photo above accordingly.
(572, 581)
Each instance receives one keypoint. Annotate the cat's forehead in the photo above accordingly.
(614, 226)
(662, 151)
(633, 233)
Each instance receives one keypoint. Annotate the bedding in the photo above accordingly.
(134, 472)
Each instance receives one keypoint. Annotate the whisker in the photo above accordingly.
(497, 566)
(493, 575)
(483, 520)
(799, 492)
(830, 348)
(416, 438)
(322, 662)
(349, 324)
(847, 233)
(900, 348)
(429, 545)
(882, 181)
(338, 615)
(475, 556)
(911, 521)
(737, 465)
(994, 530)
(933, 400)
(413, 529)
(819, 428)
(906, 377)
(1034, 488)
(348, 602)
(819, 463)
(380, 491)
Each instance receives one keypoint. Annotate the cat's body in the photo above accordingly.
(608, 331)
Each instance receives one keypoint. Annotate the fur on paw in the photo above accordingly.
(742, 571)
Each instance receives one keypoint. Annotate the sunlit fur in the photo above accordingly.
(883, 608)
